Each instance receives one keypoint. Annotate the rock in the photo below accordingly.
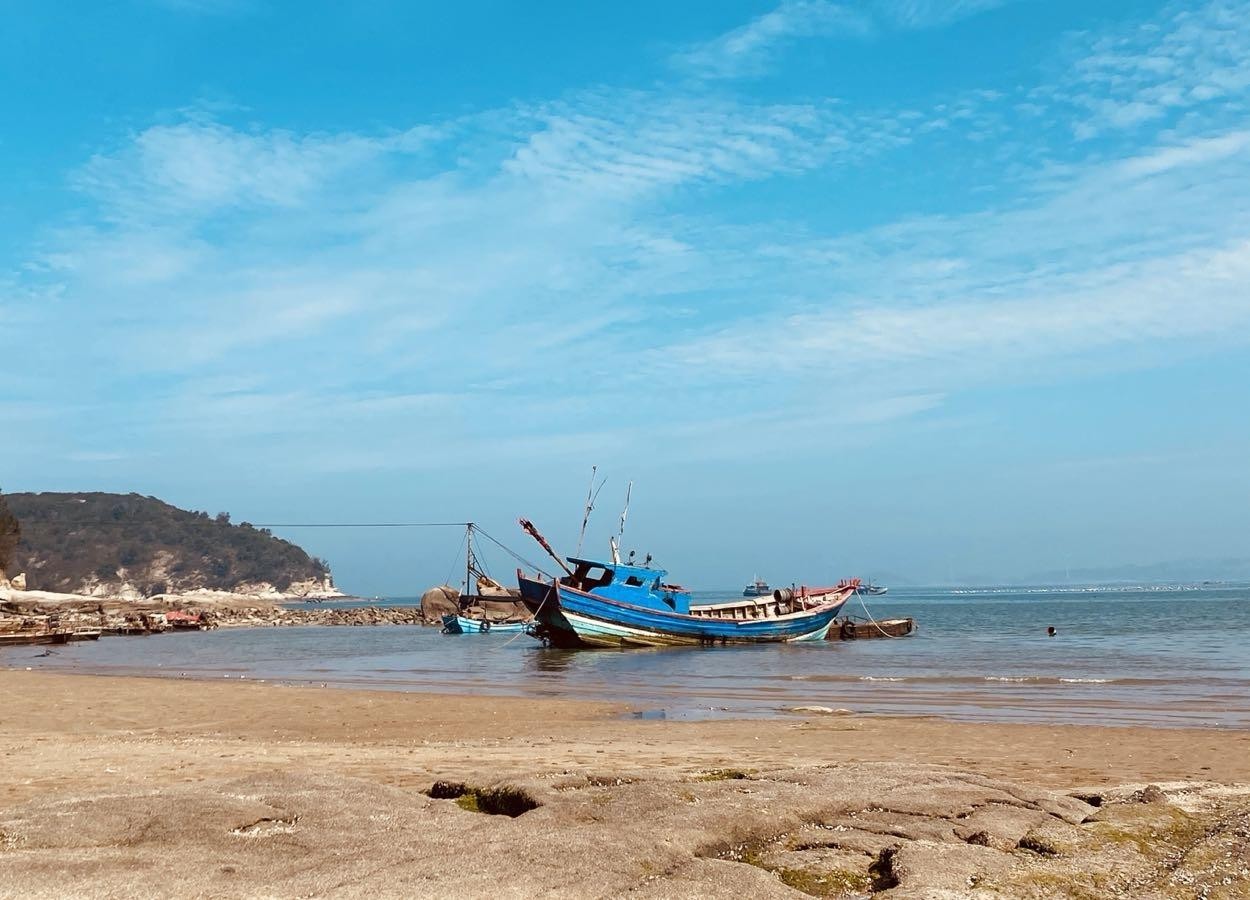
(930, 869)
(1151, 793)
(438, 602)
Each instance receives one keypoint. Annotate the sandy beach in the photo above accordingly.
(150, 786)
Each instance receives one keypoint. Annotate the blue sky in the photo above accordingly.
(942, 288)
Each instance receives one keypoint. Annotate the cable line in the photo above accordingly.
(359, 524)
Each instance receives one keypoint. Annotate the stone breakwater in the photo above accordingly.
(121, 618)
(367, 615)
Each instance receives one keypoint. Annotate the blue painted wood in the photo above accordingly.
(636, 585)
(453, 624)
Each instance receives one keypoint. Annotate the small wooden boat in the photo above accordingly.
(852, 630)
(454, 624)
(461, 611)
(18, 638)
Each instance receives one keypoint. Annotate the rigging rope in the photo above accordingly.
(455, 560)
(518, 557)
(76, 523)
(361, 525)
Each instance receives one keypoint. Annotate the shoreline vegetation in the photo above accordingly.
(212, 788)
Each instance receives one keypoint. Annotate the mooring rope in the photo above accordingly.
(546, 597)
(871, 618)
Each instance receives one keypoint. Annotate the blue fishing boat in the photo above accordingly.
(613, 604)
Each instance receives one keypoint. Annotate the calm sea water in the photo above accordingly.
(1165, 656)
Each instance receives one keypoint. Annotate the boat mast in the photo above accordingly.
(592, 494)
(468, 557)
(615, 542)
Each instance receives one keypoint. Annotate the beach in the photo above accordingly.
(118, 786)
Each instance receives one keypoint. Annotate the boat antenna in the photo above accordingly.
(615, 543)
(592, 494)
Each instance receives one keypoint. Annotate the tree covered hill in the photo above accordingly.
(10, 531)
(99, 543)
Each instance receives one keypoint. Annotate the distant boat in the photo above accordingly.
(871, 589)
(757, 588)
(614, 604)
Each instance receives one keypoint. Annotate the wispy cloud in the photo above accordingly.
(754, 48)
(625, 145)
(1196, 152)
(1173, 300)
(749, 49)
(201, 167)
(1194, 56)
(931, 13)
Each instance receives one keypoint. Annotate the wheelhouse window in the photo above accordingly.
(587, 577)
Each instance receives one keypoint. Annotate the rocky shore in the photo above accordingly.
(26, 614)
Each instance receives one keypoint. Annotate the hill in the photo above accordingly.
(10, 531)
(116, 544)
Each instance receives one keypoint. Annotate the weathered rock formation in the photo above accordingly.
(848, 831)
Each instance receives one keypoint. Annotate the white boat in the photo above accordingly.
(757, 588)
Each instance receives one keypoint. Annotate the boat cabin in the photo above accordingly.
(637, 585)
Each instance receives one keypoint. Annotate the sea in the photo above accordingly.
(1174, 656)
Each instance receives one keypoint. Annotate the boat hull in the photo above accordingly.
(464, 625)
(566, 617)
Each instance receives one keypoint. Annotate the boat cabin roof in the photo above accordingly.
(623, 571)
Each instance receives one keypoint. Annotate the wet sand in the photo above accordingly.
(68, 740)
